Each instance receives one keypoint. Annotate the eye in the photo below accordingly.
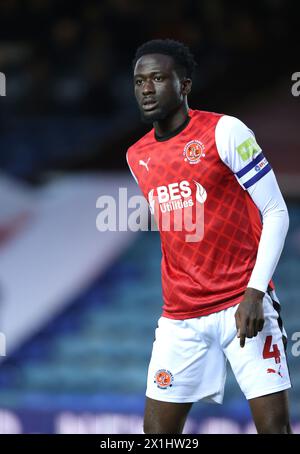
(158, 78)
(138, 82)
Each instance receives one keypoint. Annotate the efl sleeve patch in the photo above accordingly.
(253, 171)
(248, 149)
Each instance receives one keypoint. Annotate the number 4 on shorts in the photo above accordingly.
(268, 353)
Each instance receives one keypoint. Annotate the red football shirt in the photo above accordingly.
(209, 226)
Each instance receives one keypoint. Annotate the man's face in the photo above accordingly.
(158, 89)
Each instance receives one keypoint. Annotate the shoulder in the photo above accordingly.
(232, 135)
(228, 124)
(231, 130)
(205, 116)
(236, 144)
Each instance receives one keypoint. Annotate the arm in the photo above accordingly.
(239, 150)
(268, 199)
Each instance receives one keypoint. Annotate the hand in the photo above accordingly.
(249, 317)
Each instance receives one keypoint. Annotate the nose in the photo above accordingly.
(148, 87)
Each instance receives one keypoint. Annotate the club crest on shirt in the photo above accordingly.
(163, 378)
(193, 151)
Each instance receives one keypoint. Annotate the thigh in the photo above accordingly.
(165, 417)
(187, 364)
(271, 413)
(261, 366)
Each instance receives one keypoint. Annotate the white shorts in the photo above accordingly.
(189, 357)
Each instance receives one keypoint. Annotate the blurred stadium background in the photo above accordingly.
(79, 307)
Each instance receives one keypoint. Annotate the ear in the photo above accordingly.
(186, 86)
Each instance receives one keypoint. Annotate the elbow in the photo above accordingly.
(287, 221)
(279, 217)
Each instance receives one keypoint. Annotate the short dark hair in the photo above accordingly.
(184, 59)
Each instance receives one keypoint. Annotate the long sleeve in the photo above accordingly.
(239, 150)
(268, 199)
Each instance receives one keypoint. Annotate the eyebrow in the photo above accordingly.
(150, 74)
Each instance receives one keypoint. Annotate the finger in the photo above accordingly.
(249, 333)
(255, 328)
(261, 323)
(242, 339)
(250, 329)
(242, 336)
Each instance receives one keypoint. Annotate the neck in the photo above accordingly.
(172, 122)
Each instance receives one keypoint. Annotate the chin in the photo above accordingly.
(151, 117)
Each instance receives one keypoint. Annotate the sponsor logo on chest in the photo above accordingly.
(176, 196)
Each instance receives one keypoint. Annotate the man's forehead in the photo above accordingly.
(154, 62)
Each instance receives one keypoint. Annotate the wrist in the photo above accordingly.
(254, 294)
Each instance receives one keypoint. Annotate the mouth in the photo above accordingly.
(149, 104)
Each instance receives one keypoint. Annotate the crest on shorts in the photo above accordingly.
(164, 379)
(193, 151)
